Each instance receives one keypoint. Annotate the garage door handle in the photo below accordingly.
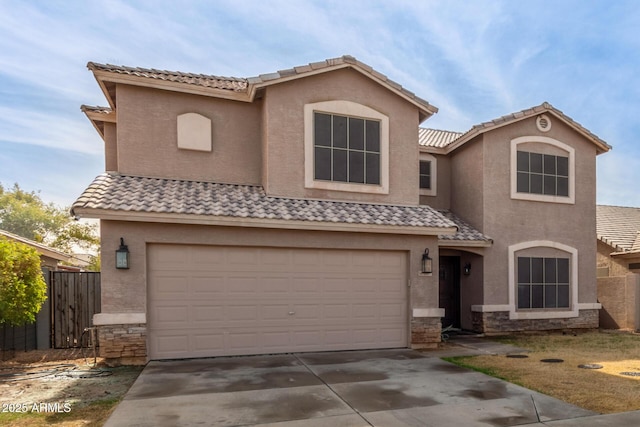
(291, 313)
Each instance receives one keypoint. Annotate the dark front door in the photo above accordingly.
(450, 290)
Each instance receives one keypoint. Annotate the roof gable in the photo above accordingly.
(240, 89)
(545, 107)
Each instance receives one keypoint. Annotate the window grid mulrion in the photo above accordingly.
(347, 150)
(534, 289)
(544, 174)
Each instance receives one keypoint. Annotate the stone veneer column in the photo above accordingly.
(425, 332)
(123, 344)
(497, 322)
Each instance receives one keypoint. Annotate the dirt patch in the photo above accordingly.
(60, 381)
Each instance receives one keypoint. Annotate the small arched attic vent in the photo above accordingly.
(543, 122)
(194, 132)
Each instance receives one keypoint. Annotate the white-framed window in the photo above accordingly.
(428, 175)
(543, 280)
(542, 169)
(346, 147)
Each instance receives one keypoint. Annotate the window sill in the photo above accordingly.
(567, 200)
(347, 187)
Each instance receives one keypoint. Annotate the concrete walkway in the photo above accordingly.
(390, 388)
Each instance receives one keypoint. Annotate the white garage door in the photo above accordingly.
(214, 301)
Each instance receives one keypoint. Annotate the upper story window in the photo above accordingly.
(428, 172)
(346, 147)
(543, 174)
(425, 174)
(543, 170)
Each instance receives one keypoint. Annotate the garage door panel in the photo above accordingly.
(337, 337)
(274, 285)
(235, 300)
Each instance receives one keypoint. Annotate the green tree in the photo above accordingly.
(25, 214)
(22, 286)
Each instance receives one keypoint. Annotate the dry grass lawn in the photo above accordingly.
(602, 390)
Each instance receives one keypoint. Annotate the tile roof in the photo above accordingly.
(217, 82)
(466, 233)
(132, 194)
(245, 85)
(95, 109)
(436, 138)
(619, 227)
(542, 108)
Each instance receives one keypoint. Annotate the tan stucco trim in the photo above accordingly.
(253, 88)
(258, 223)
(589, 306)
(427, 312)
(118, 318)
(109, 117)
(626, 254)
(572, 311)
(485, 127)
(426, 111)
(467, 245)
(106, 76)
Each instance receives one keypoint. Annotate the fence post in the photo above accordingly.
(43, 319)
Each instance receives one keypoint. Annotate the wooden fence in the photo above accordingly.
(75, 298)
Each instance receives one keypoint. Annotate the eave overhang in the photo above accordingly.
(225, 221)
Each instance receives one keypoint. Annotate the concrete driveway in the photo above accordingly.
(339, 389)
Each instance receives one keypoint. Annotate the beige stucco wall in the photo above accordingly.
(147, 137)
(620, 299)
(615, 266)
(124, 291)
(467, 181)
(442, 199)
(283, 130)
(110, 147)
(481, 194)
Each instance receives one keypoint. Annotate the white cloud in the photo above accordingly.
(49, 129)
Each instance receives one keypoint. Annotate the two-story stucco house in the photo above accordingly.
(306, 210)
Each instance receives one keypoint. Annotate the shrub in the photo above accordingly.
(22, 286)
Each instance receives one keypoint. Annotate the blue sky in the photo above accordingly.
(474, 60)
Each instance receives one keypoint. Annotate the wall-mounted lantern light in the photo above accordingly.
(122, 256)
(427, 262)
(466, 270)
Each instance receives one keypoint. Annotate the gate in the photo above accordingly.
(75, 299)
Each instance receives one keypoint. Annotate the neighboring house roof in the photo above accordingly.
(114, 196)
(436, 138)
(43, 250)
(241, 89)
(619, 227)
(466, 235)
(545, 107)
